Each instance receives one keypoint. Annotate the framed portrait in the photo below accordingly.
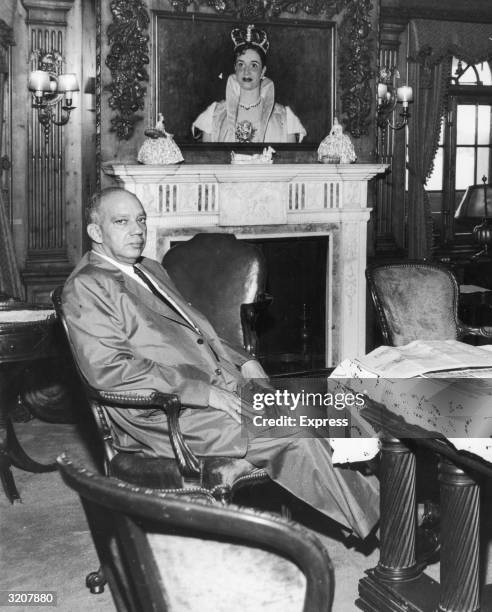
(193, 57)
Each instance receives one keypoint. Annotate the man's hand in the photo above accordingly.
(253, 369)
(226, 401)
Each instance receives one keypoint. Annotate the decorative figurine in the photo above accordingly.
(159, 146)
(336, 148)
(265, 157)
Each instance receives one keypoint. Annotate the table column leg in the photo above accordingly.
(460, 545)
(398, 522)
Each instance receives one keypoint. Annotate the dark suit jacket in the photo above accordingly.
(126, 338)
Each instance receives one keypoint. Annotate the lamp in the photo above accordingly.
(474, 205)
(49, 87)
(389, 96)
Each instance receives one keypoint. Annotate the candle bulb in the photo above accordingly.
(382, 91)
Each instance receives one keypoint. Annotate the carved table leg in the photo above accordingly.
(460, 548)
(11, 452)
(397, 583)
(6, 477)
(398, 522)
(20, 459)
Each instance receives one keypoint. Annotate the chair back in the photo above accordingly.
(98, 410)
(414, 301)
(218, 274)
(164, 553)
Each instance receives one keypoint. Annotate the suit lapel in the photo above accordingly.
(141, 294)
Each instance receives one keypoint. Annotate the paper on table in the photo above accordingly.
(423, 356)
(417, 359)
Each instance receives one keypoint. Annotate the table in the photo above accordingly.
(399, 583)
(26, 334)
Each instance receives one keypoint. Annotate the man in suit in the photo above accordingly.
(132, 329)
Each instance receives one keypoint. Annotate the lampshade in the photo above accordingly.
(39, 80)
(472, 206)
(67, 82)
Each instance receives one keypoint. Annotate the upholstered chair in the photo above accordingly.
(165, 552)
(224, 278)
(417, 300)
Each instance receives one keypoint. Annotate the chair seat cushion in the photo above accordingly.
(162, 473)
(222, 577)
(154, 473)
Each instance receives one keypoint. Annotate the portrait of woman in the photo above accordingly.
(249, 112)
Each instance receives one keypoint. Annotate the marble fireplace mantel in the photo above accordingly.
(269, 201)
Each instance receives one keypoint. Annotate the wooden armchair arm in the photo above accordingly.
(249, 314)
(189, 464)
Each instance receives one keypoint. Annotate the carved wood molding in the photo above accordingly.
(52, 12)
(261, 9)
(127, 60)
(355, 66)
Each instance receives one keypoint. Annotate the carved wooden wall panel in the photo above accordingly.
(46, 169)
(47, 261)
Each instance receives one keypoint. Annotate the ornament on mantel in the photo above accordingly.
(336, 148)
(159, 146)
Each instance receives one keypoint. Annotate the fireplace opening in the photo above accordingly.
(291, 331)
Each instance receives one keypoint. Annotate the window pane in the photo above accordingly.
(465, 167)
(434, 183)
(465, 124)
(484, 124)
(483, 154)
(484, 73)
(468, 76)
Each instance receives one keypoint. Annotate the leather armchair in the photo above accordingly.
(165, 552)
(224, 278)
(416, 300)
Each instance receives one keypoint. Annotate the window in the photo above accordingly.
(464, 151)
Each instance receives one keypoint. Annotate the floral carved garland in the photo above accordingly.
(127, 59)
(355, 66)
(261, 9)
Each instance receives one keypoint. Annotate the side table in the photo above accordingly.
(26, 334)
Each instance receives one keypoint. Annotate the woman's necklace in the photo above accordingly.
(250, 106)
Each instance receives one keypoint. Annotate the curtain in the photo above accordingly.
(432, 45)
(10, 282)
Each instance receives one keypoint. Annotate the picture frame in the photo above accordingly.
(193, 57)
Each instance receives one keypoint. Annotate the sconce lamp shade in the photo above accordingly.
(39, 80)
(67, 82)
(404, 94)
(476, 203)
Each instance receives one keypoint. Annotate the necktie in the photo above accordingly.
(163, 297)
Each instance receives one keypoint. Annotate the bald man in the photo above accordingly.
(132, 330)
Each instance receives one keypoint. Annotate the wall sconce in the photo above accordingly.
(49, 87)
(389, 96)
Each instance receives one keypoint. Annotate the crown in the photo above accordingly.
(250, 35)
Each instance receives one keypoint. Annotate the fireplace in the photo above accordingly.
(270, 204)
